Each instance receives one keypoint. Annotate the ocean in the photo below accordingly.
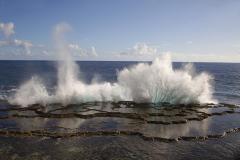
(226, 76)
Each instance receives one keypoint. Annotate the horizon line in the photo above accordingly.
(118, 61)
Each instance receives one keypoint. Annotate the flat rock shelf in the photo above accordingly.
(163, 122)
(139, 124)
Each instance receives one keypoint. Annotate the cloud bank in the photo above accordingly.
(14, 48)
(23, 44)
(76, 50)
(140, 49)
(7, 29)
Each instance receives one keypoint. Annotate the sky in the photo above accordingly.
(188, 30)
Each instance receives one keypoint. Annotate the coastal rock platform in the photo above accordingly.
(129, 130)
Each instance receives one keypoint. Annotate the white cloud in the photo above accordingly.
(7, 29)
(76, 50)
(45, 52)
(74, 47)
(141, 49)
(189, 42)
(26, 45)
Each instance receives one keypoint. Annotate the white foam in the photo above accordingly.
(31, 92)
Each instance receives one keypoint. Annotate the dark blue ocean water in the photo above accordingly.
(14, 73)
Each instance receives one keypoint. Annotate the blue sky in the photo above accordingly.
(190, 30)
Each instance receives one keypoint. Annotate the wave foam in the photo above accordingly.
(154, 83)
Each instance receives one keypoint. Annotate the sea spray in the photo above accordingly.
(31, 92)
(67, 68)
(154, 82)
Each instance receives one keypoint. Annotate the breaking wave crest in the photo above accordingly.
(152, 83)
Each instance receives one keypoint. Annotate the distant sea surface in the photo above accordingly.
(226, 76)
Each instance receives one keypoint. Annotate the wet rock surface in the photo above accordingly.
(132, 131)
